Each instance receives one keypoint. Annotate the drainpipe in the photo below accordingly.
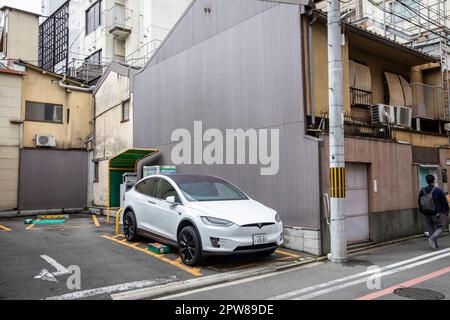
(74, 88)
(311, 72)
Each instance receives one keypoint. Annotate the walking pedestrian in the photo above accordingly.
(433, 204)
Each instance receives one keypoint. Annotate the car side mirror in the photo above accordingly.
(171, 200)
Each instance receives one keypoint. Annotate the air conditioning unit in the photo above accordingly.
(45, 141)
(403, 116)
(382, 113)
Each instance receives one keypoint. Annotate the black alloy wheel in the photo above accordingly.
(129, 227)
(190, 246)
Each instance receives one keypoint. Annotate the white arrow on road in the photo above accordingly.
(44, 274)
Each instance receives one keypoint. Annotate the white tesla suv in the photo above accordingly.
(201, 215)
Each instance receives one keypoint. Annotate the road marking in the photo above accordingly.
(31, 226)
(61, 227)
(365, 279)
(354, 276)
(406, 284)
(60, 269)
(288, 253)
(5, 228)
(115, 288)
(194, 271)
(94, 217)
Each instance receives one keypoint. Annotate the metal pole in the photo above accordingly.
(336, 118)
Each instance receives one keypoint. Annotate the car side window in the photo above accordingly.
(147, 187)
(165, 189)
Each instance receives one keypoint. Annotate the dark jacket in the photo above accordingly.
(440, 200)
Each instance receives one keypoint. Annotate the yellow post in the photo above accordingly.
(108, 201)
(119, 212)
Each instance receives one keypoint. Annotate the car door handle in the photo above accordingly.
(151, 202)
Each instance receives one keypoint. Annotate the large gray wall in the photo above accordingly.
(238, 67)
(52, 179)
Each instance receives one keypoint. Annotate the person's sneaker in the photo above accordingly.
(433, 243)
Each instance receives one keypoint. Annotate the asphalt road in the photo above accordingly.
(36, 261)
(373, 274)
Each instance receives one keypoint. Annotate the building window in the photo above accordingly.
(93, 17)
(126, 111)
(45, 112)
(96, 175)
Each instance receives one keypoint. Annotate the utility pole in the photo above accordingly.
(336, 136)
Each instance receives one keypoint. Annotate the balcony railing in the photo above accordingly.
(428, 102)
(117, 21)
(140, 57)
(360, 97)
(356, 126)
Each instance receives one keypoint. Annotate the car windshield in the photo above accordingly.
(205, 188)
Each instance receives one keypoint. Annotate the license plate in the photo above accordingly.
(259, 239)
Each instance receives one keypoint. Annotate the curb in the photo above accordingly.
(198, 283)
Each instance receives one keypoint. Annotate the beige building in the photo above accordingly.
(395, 116)
(45, 124)
(113, 125)
(50, 108)
(20, 34)
(10, 115)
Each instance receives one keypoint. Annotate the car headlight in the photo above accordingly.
(277, 218)
(217, 222)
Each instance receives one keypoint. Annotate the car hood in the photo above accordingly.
(240, 212)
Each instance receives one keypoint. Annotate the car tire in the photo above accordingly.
(267, 252)
(190, 246)
(130, 227)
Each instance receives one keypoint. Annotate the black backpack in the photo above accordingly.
(427, 205)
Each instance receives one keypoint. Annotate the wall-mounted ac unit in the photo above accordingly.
(403, 116)
(382, 113)
(45, 141)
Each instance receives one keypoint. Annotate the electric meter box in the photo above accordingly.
(155, 170)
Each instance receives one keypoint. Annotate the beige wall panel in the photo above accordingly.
(38, 87)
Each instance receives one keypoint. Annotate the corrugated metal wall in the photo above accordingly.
(239, 66)
(52, 179)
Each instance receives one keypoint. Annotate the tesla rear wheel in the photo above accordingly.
(190, 246)
(129, 227)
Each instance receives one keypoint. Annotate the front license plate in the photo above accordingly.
(259, 239)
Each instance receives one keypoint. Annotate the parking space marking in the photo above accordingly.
(288, 253)
(177, 263)
(5, 228)
(97, 224)
(31, 226)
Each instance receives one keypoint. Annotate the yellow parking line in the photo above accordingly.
(31, 226)
(288, 253)
(177, 263)
(5, 228)
(94, 217)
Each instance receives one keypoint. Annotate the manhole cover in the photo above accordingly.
(419, 294)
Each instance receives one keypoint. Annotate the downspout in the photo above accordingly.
(311, 21)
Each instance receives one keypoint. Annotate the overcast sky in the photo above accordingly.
(28, 5)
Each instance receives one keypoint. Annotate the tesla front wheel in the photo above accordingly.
(129, 226)
(190, 246)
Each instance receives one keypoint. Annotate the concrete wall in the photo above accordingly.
(10, 106)
(39, 87)
(20, 44)
(239, 66)
(112, 136)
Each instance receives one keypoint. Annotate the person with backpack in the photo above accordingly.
(433, 204)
